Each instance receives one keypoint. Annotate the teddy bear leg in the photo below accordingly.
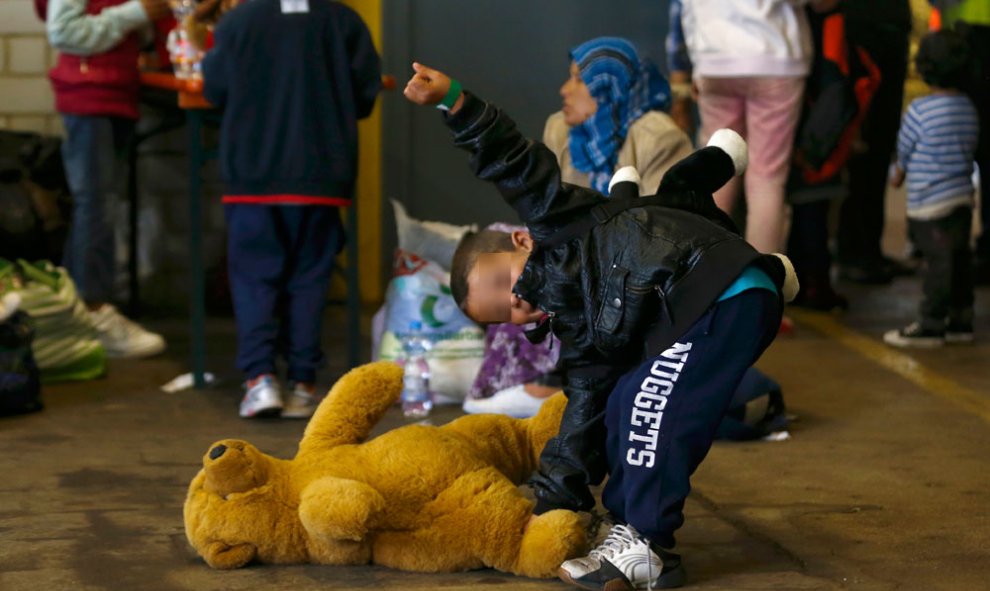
(337, 514)
(480, 521)
(476, 522)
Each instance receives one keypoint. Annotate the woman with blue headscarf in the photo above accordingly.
(613, 116)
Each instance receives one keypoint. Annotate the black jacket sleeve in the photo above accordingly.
(575, 458)
(524, 171)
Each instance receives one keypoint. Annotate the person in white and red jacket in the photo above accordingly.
(96, 86)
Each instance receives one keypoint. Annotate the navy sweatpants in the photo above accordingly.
(279, 259)
(661, 417)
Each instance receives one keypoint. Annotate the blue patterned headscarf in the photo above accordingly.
(625, 88)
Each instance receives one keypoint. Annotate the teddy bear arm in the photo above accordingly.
(340, 509)
(352, 407)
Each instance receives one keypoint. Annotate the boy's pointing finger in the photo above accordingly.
(425, 71)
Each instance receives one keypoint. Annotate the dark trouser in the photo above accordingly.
(948, 280)
(862, 215)
(280, 258)
(94, 154)
(979, 91)
(662, 417)
(807, 244)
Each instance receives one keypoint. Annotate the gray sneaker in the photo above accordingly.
(262, 398)
(622, 562)
(302, 402)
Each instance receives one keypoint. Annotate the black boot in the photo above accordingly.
(817, 294)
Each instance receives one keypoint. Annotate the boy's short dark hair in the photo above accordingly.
(943, 60)
(466, 255)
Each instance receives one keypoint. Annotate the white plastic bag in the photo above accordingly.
(420, 291)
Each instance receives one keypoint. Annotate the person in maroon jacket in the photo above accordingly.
(96, 88)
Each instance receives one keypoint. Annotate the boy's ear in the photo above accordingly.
(522, 240)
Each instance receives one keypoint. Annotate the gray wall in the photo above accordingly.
(511, 52)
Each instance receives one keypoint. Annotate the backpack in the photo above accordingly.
(21, 234)
(35, 202)
(756, 410)
(20, 380)
(841, 86)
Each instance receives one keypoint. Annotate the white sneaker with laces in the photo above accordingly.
(122, 337)
(262, 398)
(624, 561)
(302, 403)
(515, 402)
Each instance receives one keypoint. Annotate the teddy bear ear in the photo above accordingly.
(624, 184)
(223, 556)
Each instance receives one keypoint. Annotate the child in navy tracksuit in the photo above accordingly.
(935, 152)
(660, 308)
(293, 77)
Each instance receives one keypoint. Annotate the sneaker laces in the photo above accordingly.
(620, 538)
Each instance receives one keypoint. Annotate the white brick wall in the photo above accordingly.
(27, 55)
(26, 95)
(17, 16)
(26, 100)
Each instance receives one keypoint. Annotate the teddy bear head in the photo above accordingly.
(233, 508)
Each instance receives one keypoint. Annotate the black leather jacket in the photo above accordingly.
(621, 293)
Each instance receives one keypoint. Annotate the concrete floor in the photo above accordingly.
(885, 484)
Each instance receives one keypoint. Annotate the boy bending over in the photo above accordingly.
(660, 307)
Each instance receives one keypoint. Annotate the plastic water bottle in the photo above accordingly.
(417, 400)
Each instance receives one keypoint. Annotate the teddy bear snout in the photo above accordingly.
(217, 451)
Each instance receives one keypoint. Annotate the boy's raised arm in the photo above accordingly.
(525, 172)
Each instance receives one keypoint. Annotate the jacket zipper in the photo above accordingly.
(664, 303)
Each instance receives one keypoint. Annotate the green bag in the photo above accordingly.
(65, 345)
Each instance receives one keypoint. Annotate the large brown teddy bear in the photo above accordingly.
(416, 498)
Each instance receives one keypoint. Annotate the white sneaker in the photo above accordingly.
(514, 401)
(122, 337)
(302, 403)
(624, 560)
(262, 398)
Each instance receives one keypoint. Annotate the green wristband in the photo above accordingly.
(450, 99)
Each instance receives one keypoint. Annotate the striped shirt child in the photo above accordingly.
(936, 147)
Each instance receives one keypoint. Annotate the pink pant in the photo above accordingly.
(765, 111)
